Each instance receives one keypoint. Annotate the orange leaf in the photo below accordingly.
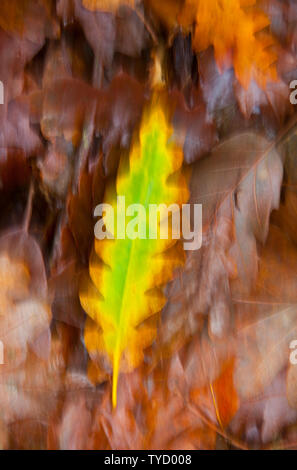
(225, 394)
(106, 5)
(233, 31)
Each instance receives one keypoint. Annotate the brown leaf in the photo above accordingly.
(262, 419)
(266, 318)
(238, 186)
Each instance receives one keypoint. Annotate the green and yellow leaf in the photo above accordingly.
(128, 275)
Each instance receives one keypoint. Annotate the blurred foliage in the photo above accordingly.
(78, 78)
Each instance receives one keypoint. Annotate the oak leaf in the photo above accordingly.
(233, 29)
(126, 282)
(106, 5)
